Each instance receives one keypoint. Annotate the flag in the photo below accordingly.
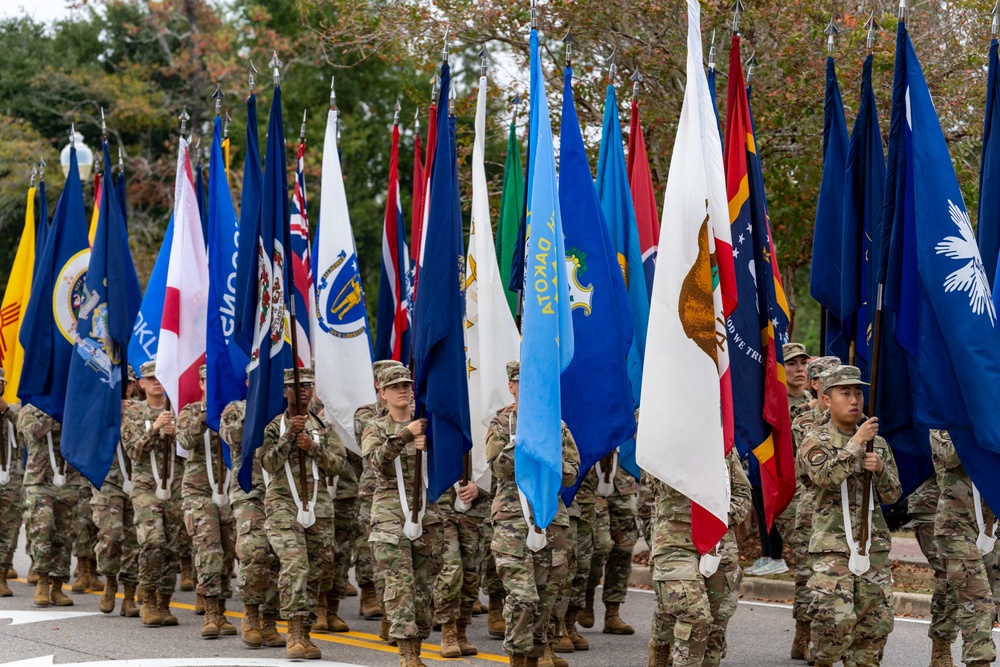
(184, 325)
(601, 319)
(97, 371)
(393, 340)
(417, 203)
(269, 356)
(96, 211)
(757, 324)
(342, 345)
(712, 70)
(120, 193)
(225, 362)
(441, 387)
(419, 232)
(641, 183)
(511, 204)
(547, 328)
(48, 329)
(146, 330)
(246, 259)
(825, 270)
(200, 195)
(301, 265)
(15, 302)
(682, 438)
(988, 217)
(43, 225)
(491, 336)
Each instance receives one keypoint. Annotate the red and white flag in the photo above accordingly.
(183, 329)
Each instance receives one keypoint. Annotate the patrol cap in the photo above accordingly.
(2, 375)
(513, 371)
(201, 372)
(792, 350)
(306, 376)
(842, 376)
(132, 377)
(381, 365)
(148, 370)
(394, 374)
(820, 365)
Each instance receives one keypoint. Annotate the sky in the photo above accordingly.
(40, 10)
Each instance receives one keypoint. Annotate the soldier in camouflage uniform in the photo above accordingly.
(956, 530)
(49, 496)
(148, 436)
(346, 530)
(303, 543)
(84, 539)
(208, 516)
(582, 515)
(796, 377)
(492, 584)
(11, 487)
(259, 570)
(851, 610)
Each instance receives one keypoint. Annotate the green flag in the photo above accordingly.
(511, 203)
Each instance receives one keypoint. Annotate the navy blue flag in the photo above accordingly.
(939, 312)
(42, 226)
(246, 262)
(441, 386)
(824, 276)
(715, 103)
(269, 355)
(49, 327)
(200, 196)
(97, 371)
(602, 320)
(988, 219)
(120, 193)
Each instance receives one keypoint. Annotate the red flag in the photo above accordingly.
(641, 183)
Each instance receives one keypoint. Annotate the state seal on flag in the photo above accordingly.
(68, 295)
(340, 309)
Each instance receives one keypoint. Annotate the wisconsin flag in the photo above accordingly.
(15, 302)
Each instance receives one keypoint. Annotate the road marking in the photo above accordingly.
(18, 617)
(47, 661)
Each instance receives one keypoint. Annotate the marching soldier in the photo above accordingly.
(582, 514)
(11, 487)
(84, 539)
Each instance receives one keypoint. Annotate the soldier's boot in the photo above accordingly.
(407, 656)
(613, 623)
(295, 648)
(128, 608)
(210, 625)
(93, 579)
(478, 608)
(660, 656)
(369, 606)
(978, 663)
(32, 575)
(187, 578)
(518, 660)
(565, 644)
(11, 572)
(800, 643)
(199, 605)
(383, 629)
(163, 609)
(107, 603)
(531, 661)
(417, 643)
(150, 613)
(941, 654)
(333, 619)
(80, 576)
(350, 591)
(42, 591)
(586, 616)
(269, 631)
(250, 627)
(579, 642)
(468, 648)
(550, 659)
(494, 621)
(5, 591)
(449, 641)
(226, 629)
(321, 624)
(56, 595)
(312, 651)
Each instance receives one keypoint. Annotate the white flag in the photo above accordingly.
(341, 347)
(491, 337)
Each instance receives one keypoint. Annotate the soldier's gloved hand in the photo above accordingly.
(873, 462)
(417, 426)
(867, 430)
(302, 441)
(298, 424)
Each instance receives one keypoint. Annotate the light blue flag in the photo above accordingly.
(146, 330)
(546, 325)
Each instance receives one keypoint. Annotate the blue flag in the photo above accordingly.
(988, 227)
(109, 304)
(547, 340)
(269, 355)
(939, 310)
(246, 262)
(43, 225)
(599, 307)
(441, 386)
(712, 70)
(225, 362)
(57, 294)
(199, 195)
(146, 329)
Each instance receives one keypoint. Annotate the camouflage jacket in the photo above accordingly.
(344, 485)
(191, 428)
(798, 404)
(921, 505)
(34, 426)
(14, 466)
(955, 527)
(500, 454)
(830, 458)
(586, 496)
(325, 449)
(362, 416)
(480, 508)
(140, 442)
(114, 481)
(231, 431)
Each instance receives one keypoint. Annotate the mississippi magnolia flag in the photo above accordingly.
(184, 325)
(342, 344)
(687, 321)
(491, 337)
(15, 302)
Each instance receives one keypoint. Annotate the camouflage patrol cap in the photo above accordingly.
(394, 374)
(792, 350)
(842, 376)
(2, 375)
(147, 370)
(201, 372)
(132, 377)
(820, 365)
(381, 365)
(513, 371)
(306, 376)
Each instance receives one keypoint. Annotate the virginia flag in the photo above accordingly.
(342, 345)
(988, 218)
(681, 436)
(491, 336)
(599, 307)
(641, 181)
(97, 371)
(393, 339)
(301, 265)
(15, 302)
(511, 205)
(48, 330)
(547, 341)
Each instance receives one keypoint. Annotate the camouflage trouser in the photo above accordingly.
(259, 569)
(565, 589)
(305, 556)
(851, 615)
(785, 522)
(799, 541)
(723, 589)
(212, 530)
(405, 570)
(992, 563)
(644, 510)
(491, 580)
(624, 534)
(364, 568)
(159, 525)
(184, 549)
(11, 516)
(49, 522)
(457, 585)
(84, 530)
(943, 604)
(345, 534)
(682, 618)
(117, 548)
(974, 613)
(603, 544)
(583, 541)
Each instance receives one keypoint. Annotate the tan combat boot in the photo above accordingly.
(269, 631)
(518, 660)
(468, 648)
(80, 576)
(42, 591)
(226, 629)
(383, 630)
(350, 591)
(56, 596)
(210, 625)
(187, 575)
(565, 644)
(11, 572)
(163, 609)
(250, 627)
(94, 582)
(295, 648)
(128, 608)
(369, 606)
(494, 620)
(199, 605)
(579, 642)
(150, 612)
(320, 625)
(312, 651)
(449, 641)
(407, 656)
(941, 654)
(586, 616)
(800, 643)
(550, 659)
(32, 575)
(613, 623)
(333, 619)
(661, 656)
(107, 603)
(5, 591)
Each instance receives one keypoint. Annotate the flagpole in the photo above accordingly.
(830, 31)
(220, 462)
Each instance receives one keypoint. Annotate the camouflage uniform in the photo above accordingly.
(84, 530)
(11, 492)
(211, 527)
(582, 514)
(786, 522)
(801, 428)
(457, 584)
(345, 522)
(117, 549)
(623, 531)
(921, 507)
(956, 531)
(644, 511)
(365, 563)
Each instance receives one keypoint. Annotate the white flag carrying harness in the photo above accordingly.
(219, 495)
(987, 538)
(161, 493)
(459, 504)
(11, 448)
(331, 486)
(709, 563)
(607, 489)
(58, 478)
(127, 484)
(857, 563)
(411, 529)
(536, 539)
(306, 515)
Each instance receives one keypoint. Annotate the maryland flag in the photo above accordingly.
(15, 302)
